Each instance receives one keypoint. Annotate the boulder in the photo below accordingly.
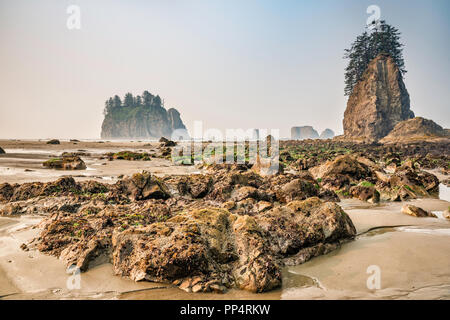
(340, 172)
(143, 186)
(196, 185)
(164, 142)
(416, 211)
(297, 189)
(365, 193)
(379, 101)
(65, 163)
(446, 214)
(53, 141)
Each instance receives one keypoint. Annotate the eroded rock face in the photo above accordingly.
(305, 132)
(379, 101)
(417, 129)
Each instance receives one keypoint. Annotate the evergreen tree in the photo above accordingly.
(117, 103)
(138, 101)
(147, 98)
(157, 101)
(382, 39)
(109, 104)
(128, 100)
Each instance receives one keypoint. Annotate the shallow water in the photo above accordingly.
(444, 192)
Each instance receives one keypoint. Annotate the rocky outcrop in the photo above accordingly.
(148, 120)
(378, 103)
(305, 132)
(200, 250)
(416, 129)
(327, 134)
(65, 163)
(203, 232)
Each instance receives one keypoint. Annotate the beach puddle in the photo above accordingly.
(431, 231)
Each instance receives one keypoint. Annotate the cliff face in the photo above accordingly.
(145, 122)
(379, 101)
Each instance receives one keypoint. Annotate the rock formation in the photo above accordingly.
(2, 151)
(327, 134)
(379, 101)
(416, 211)
(53, 141)
(148, 120)
(202, 232)
(305, 132)
(417, 129)
(65, 163)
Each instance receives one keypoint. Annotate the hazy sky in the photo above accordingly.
(230, 63)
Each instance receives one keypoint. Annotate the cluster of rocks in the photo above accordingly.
(303, 155)
(359, 177)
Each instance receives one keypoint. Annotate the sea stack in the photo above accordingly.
(305, 132)
(378, 102)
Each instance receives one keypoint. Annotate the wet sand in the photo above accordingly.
(413, 254)
(23, 161)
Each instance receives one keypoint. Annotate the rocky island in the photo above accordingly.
(142, 117)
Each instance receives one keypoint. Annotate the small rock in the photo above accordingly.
(416, 211)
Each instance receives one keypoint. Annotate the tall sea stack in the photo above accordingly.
(378, 102)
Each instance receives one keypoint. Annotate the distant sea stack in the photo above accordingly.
(305, 132)
(378, 102)
(142, 117)
(327, 134)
